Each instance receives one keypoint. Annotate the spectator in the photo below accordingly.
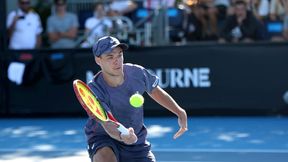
(260, 8)
(279, 21)
(204, 18)
(24, 27)
(222, 7)
(276, 23)
(97, 26)
(242, 26)
(209, 19)
(62, 27)
(277, 10)
(193, 25)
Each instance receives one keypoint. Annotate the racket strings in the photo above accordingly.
(92, 104)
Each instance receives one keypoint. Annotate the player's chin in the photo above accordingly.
(118, 70)
(116, 73)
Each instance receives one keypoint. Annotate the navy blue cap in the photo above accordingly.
(106, 45)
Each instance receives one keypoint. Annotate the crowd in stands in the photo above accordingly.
(238, 20)
(201, 20)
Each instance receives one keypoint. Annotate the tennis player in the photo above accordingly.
(114, 85)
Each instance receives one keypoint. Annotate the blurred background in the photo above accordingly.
(222, 60)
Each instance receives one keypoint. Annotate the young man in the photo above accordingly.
(97, 26)
(114, 85)
(62, 27)
(242, 26)
(24, 27)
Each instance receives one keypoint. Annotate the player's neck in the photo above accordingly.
(113, 81)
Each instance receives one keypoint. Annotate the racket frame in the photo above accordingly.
(120, 127)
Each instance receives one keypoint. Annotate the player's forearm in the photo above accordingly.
(11, 28)
(10, 32)
(115, 136)
(111, 130)
(165, 100)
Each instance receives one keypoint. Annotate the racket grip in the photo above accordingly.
(123, 130)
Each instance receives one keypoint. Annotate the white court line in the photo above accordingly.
(224, 150)
(36, 150)
(162, 150)
(185, 161)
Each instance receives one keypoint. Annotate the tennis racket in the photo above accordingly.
(93, 106)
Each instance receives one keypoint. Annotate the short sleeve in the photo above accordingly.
(89, 23)
(108, 23)
(151, 80)
(10, 18)
(264, 8)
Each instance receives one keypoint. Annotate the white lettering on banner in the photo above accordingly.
(183, 78)
(89, 75)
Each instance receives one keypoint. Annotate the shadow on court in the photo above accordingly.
(209, 139)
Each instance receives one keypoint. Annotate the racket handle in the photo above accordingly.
(123, 130)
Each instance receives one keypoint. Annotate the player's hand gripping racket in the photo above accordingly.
(93, 106)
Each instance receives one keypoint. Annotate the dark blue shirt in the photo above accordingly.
(116, 100)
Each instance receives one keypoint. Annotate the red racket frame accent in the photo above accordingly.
(90, 113)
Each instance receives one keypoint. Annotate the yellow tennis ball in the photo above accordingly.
(136, 100)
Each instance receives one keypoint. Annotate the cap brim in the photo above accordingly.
(123, 46)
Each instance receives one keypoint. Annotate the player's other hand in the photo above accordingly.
(182, 121)
(129, 139)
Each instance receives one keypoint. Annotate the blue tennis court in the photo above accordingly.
(209, 139)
